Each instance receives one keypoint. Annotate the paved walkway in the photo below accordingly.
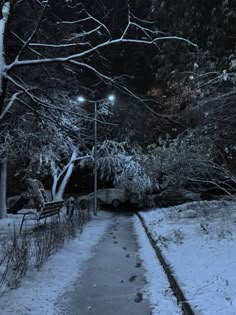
(112, 281)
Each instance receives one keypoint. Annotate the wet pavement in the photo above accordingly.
(112, 281)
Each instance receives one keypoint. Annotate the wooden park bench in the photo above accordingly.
(50, 209)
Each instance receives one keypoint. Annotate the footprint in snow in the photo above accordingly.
(132, 279)
(138, 265)
(139, 297)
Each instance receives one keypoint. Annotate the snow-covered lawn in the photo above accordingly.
(38, 292)
(157, 290)
(198, 240)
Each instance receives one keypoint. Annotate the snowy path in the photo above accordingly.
(110, 269)
(122, 277)
(113, 281)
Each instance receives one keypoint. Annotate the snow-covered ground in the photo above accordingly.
(39, 290)
(157, 290)
(198, 240)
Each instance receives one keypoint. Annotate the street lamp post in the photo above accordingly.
(111, 98)
(95, 158)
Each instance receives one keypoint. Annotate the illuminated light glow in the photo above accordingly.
(111, 97)
(81, 99)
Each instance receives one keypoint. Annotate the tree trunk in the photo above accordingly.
(57, 194)
(54, 186)
(61, 190)
(3, 189)
(5, 10)
(4, 14)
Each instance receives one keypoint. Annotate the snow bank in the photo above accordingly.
(198, 240)
(157, 290)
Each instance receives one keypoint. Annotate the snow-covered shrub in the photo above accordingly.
(19, 252)
(46, 242)
(52, 236)
(180, 162)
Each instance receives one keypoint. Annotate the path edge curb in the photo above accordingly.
(185, 306)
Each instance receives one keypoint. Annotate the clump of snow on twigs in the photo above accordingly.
(198, 240)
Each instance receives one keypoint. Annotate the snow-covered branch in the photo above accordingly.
(10, 104)
(3, 23)
(106, 43)
(65, 45)
(119, 162)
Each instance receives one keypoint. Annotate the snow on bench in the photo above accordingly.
(49, 209)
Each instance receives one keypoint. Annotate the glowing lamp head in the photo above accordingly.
(81, 99)
(111, 98)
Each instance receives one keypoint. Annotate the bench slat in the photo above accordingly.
(48, 214)
(49, 209)
(53, 205)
